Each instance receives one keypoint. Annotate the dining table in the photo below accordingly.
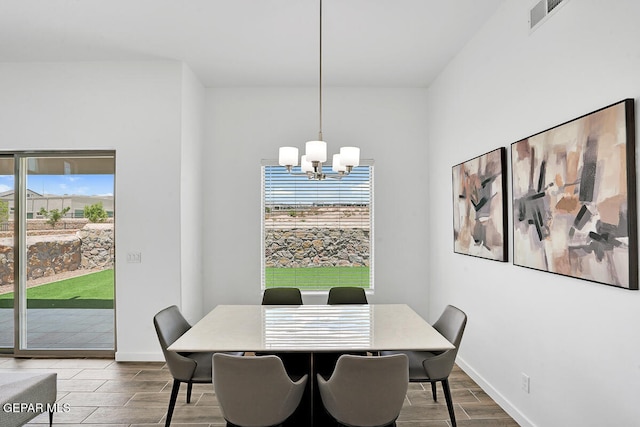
(311, 330)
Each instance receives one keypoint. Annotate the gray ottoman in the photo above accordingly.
(23, 396)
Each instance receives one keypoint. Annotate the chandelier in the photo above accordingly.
(316, 151)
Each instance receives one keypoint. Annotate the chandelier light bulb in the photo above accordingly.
(305, 165)
(288, 156)
(337, 165)
(350, 156)
(316, 151)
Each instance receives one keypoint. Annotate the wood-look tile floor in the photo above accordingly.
(105, 393)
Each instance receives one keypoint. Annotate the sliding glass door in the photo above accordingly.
(63, 222)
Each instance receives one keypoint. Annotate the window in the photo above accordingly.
(317, 234)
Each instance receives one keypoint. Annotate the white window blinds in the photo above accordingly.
(317, 234)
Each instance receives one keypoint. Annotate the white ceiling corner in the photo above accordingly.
(393, 43)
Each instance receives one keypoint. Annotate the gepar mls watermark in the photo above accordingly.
(19, 407)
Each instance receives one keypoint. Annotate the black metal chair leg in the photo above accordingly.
(434, 391)
(172, 401)
(189, 387)
(50, 418)
(447, 396)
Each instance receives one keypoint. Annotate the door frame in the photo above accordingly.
(20, 262)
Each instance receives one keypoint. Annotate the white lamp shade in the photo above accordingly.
(350, 156)
(305, 165)
(288, 156)
(337, 166)
(316, 151)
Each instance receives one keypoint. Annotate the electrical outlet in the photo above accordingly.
(526, 383)
(134, 257)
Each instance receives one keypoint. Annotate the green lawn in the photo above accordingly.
(93, 290)
(317, 277)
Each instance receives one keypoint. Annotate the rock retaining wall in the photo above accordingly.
(91, 247)
(97, 246)
(317, 247)
(49, 255)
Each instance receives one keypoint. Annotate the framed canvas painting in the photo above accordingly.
(574, 198)
(479, 206)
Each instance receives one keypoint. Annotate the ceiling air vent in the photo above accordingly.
(551, 4)
(538, 12)
(542, 10)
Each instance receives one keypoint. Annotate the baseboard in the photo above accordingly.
(139, 357)
(504, 403)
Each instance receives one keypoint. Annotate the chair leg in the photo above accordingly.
(434, 391)
(172, 401)
(447, 396)
(50, 418)
(189, 387)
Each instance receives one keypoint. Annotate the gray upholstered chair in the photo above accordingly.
(366, 391)
(282, 296)
(255, 391)
(326, 362)
(295, 363)
(187, 368)
(347, 295)
(432, 367)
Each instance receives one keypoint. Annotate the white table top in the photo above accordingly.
(311, 328)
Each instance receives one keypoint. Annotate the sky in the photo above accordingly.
(354, 188)
(87, 185)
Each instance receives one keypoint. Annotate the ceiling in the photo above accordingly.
(395, 43)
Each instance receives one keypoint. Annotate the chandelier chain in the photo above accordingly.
(316, 151)
(320, 79)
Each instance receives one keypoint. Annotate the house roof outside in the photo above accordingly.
(36, 201)
(7, 195)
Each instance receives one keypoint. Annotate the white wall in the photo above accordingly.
(578, 341)
(134, 109)
(191, 194)
(245, 125)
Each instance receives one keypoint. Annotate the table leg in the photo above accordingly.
(310, 412)
(303, 415)
(320, 417)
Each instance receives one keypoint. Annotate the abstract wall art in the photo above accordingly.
(479, 206)
(574, 198)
